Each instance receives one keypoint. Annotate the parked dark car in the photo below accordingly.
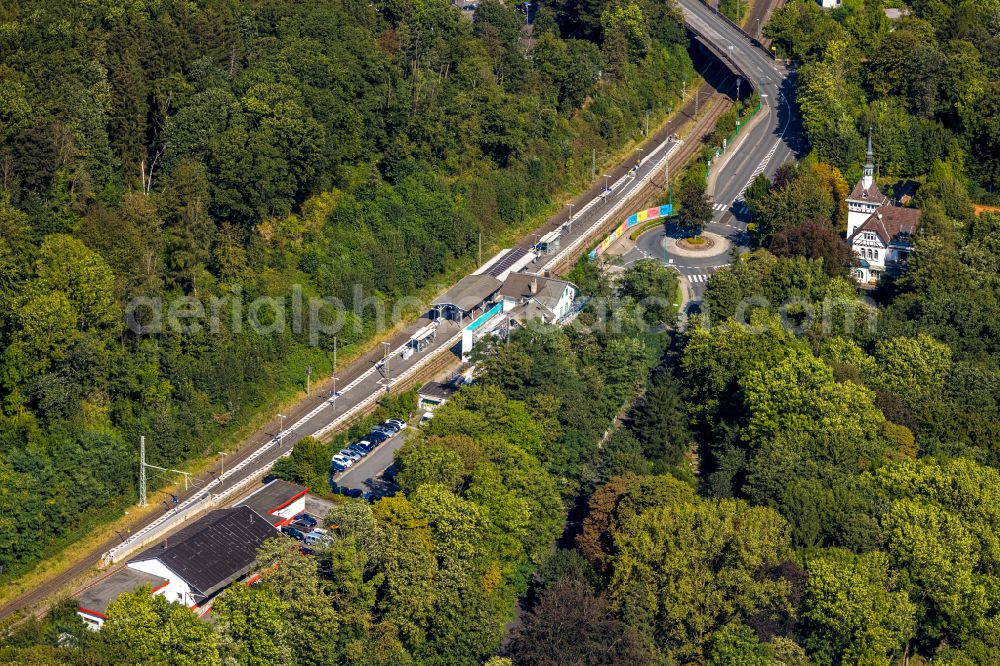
(305, 521)
(366, 445)
(377, 436)
(353, 492)
(357, 448)
(292, 532)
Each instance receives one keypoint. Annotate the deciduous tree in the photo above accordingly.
(696, 209)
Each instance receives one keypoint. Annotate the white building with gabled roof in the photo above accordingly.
(880, 233)
(553, 295)
(194, 565)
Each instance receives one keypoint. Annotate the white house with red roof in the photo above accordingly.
(865, 198)
(880, 233)
(196, 564)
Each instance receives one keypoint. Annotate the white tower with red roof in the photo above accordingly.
(865, 198)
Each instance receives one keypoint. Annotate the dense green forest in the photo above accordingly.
(927, 84)
(431, 575)
(229, 150)
(806, 475)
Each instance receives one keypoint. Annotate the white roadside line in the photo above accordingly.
(141, 535)
(150, 531)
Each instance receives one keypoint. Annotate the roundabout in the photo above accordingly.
(711, 245)
(694, 261)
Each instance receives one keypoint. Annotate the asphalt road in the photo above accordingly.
(772, 138)
(358, 384)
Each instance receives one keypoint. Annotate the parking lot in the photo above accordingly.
(367, 474)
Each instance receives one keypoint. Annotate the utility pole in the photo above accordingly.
(684, 87)
(142, 471)
(308, 380)
(281, 427)
(593, 164)
(335, 354)
(647, 122)
(222, 474)
(738, 79)
(385, 363)
(335, 393)
(569, 219)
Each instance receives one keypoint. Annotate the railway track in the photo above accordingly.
(685, 151)
(36, 598)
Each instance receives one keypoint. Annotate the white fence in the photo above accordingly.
(216, 492)
(374, 397)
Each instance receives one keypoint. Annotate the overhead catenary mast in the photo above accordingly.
(142, 472)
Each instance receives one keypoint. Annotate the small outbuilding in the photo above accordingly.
(277, 501)
(434, 394)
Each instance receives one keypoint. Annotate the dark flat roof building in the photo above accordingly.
(467, 295)
(436, 390)
(196, 563)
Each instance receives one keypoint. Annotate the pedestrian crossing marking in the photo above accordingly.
(759, 170)
(738, 206)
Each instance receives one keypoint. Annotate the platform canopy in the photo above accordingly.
(424, 333)
(468, 293)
